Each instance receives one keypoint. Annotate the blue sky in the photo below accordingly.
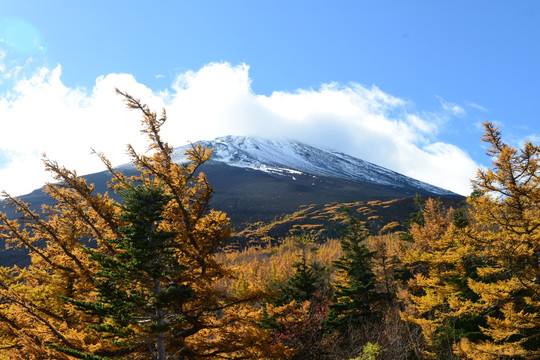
(405, 84)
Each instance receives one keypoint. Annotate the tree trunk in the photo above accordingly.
(160, 341)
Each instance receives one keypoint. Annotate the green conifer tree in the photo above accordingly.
(309, 276)
(302, 302)
(355, 300)
(140, 287)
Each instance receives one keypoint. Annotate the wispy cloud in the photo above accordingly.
(451, 108)
(476, 106)
(41, 114)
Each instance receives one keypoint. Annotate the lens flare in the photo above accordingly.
(21, 36)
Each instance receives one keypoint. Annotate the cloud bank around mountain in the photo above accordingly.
(40, 114)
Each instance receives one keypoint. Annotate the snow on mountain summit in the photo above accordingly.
(290, 157)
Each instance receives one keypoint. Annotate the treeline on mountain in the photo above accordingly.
(378, 216)
(152, 277)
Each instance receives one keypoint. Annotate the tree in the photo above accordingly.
(308, 277)
(439, 265)
(31, 313)
(476, 289)
(355, 300)
(142, 287)
(299, 308)
(208, 321)
(505, 233)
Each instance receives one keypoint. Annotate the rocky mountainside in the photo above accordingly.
(293, 158)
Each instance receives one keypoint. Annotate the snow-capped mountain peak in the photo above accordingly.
(289, 158)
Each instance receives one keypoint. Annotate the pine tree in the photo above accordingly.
(142, 287)
(355, 300)
(308, 277)
(299, 308)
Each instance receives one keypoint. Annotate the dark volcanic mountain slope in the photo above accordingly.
(260, 180)
(248, 195)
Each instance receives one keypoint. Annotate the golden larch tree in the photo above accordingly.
(505, 232)
(439, 262)
(476, 288)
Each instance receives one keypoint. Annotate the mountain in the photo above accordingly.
(292, 159)
(261, 180)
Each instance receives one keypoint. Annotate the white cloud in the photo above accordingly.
(452, 109)
(2, 59)
(41, 114)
